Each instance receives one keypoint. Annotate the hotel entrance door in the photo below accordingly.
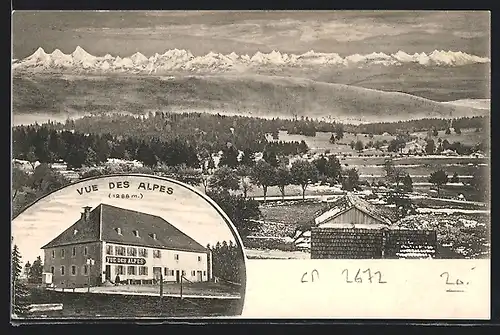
(157, 273)
(107, 273)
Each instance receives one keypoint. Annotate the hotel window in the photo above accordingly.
(119, 231)
(156, 253)
(131, 270)
(85, 251)
(204, 273)
(53, 254)
(109, 250)
(199, 258)
(73, 270)
(62, 253)
(131, 251)
(143, 252)
(176, 257)
(183, 272)
(119, 269)
(193, 273)
(85, 270)
(52, 270)
(136, 233)
(73, 252)
(62, 270)
(143, 270)
(171, 272)
(120, 251)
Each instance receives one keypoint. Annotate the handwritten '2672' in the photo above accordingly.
(365, 276)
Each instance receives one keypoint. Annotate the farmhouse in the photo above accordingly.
(351, 211)
(109, 242)
(353, 228)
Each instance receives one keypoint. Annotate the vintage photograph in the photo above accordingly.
(126, 246)
(320, 134)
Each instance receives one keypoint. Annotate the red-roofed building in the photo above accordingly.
(109, 241)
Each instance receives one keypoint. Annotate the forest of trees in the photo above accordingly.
(227, 261)
(190, 138)
(475, 122)
(46, 145)
(207, 132)
(212, 131)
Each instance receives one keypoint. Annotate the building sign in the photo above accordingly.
(125, 260)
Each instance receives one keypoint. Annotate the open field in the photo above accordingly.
(467, 137)
(192, 289)
(295, 213)
(95, 305)
(321, 141)
(255, 95)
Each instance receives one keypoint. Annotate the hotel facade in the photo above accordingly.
(110, 243)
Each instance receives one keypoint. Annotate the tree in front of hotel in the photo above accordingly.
(36, 271)
(19, 290)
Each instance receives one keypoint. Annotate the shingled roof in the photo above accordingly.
(384, 215)
(104, 221)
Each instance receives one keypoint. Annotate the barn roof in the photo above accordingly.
(114, 224)
(381, 214)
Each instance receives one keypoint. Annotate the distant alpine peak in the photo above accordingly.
(180, 59)
(81, 54)
(57, 53)
(39, 51)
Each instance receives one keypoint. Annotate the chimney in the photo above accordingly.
(86, 213)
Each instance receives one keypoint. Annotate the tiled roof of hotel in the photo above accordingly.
(120, 225)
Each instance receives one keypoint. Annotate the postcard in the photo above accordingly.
(250, 164)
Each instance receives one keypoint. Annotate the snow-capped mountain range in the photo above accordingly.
(82, 61)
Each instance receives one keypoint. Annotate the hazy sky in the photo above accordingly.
(49, 217)
(343, 32)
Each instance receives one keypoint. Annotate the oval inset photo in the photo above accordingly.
(127, 246)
